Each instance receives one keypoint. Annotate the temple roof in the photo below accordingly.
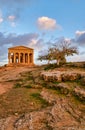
(20, 47)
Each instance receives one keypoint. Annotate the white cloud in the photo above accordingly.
(68, 40)
(36, 43)
(13, 24)
(15, 39)
(11, 18)
(1, 18)
(79, 33)
(80, 37)
(33, 42)
(76, 58)
(45, 23)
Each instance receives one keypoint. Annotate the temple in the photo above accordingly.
(20, 55)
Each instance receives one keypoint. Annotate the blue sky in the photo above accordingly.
(39, 23)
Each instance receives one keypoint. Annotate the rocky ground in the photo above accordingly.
(30, 101)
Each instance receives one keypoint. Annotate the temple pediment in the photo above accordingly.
(20, 47)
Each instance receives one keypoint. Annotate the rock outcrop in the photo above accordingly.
(80, 93)
(64, 88)
(60, 76)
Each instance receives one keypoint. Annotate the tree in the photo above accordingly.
(47, 57)
(59, 53)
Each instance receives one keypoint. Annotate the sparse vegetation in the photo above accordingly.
(26, 94)
(17, 85)
(28, 86)
(51, 66)
(21, 100)
(40, 99)
(82, 82)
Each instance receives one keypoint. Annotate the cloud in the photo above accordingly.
(37, 44)
(80, 38)
(12, 20)
(61, 40)
(14, 7)
(1, 18)
(82, 53)
(15, 39)
(45, 23)
(79, 33)
(32, 40)
(75, 58)
(11, 17)
(13, 24)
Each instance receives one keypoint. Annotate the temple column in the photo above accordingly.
(9, 58)
(14, 57)
(32, 58)
(19, 57)
(24, 58)
(28, 58)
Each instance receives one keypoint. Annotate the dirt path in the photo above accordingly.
(4, 87)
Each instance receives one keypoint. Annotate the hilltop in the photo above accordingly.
(42, 98)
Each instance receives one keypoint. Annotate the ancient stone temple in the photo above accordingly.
(20, 55)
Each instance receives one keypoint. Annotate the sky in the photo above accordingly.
(40, 23)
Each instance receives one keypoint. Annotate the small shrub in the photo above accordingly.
(82, 81)
(29, 77)
(28, 86)
(44, 84)
(51, 66)
(56, 82)
(78, 99)
(17, 85)
(38, 97)
(84, 65)
(35, 95)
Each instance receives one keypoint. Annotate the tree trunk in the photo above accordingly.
(58, 62)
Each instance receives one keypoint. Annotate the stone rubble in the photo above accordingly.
(60, 76)
(80, 93)
(63, 87)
